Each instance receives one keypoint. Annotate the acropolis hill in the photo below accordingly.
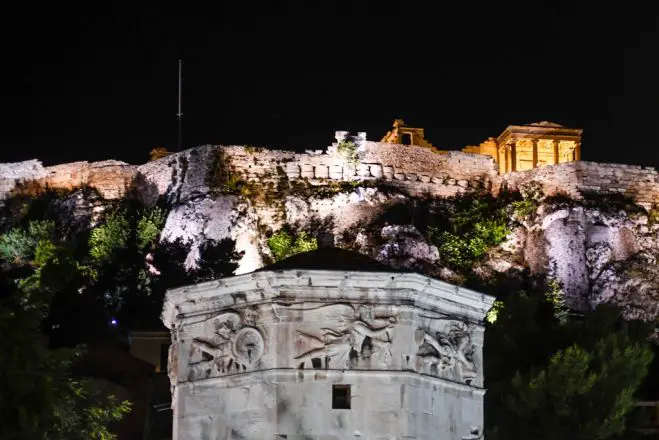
(580, 234)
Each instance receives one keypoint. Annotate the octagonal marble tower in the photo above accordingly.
(308, 353)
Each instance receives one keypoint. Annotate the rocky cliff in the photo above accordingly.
(592, 227)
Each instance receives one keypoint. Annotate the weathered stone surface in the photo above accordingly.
(258, 355)
(578, 249)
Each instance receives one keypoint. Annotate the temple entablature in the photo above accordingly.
(525, 147)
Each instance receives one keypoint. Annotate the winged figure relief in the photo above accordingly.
(449, 350)
(337, 336)
(232, 348)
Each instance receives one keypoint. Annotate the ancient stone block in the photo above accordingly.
(292, 170)
(375, 170)
(336, 172)
(307, 171)
(321, 172)
(363, 170)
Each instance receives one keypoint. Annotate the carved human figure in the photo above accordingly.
(353, 334)
(232, 348)
(446, 351)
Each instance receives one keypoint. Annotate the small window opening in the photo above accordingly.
(340, 396)
(406, 139)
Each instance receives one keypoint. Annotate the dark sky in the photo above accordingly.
(98, 82)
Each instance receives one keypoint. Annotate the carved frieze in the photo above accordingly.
(233, 347)
(446, 352)
(353, 338)
(339, 336)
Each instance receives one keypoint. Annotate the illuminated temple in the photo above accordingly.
(518, 148)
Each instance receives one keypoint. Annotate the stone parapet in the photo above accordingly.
(575, 179)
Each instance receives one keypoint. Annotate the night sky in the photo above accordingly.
(99, 82)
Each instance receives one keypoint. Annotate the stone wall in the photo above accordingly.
(111, 178)
(418, 169)
(259, 355)
(576, 178)
(415, 169)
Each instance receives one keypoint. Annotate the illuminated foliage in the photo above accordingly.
(348, 151)
(105, 240)
(19, 245)
(465, 228)
(284, 244)
(148, 227)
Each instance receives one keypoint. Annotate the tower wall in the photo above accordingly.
(278, 355)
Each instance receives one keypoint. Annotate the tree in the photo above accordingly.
(40, 397)
(552, 376)
(217, 259)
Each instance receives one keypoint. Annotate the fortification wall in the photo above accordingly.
(576, 178)
(415, 169)
(111, 178)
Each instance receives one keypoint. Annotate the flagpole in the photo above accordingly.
(180, 113)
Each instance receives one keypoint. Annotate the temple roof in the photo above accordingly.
(331, 258)
(547, 124)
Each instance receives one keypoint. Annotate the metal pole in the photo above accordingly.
(180, 113)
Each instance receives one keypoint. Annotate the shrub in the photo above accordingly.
(106, 239)
(19, 245)
(466, 227)
(284, 244)
(524, 208)
(348, 151)
(149, 226)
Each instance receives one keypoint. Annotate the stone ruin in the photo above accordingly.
(544, 153)
(323, 354)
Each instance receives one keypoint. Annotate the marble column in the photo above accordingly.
(535, 153)
(555, 145)
(513, 156)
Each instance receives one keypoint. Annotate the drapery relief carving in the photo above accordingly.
(338, 336)
(446, 352)
(232, 348)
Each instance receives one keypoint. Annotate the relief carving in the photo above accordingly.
(350, 339)
(447, 352)
(233, 348)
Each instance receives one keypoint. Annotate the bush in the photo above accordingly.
(148, 227)
(465, 228)
(107, 239)
(348, 151)
(19, 245)
(284, 244)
